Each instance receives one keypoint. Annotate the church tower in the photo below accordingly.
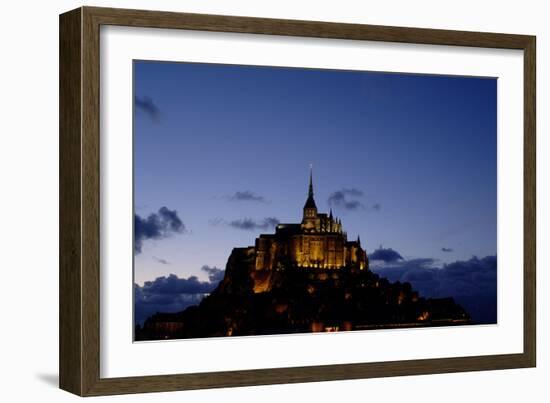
(309, 219)
(318, 242)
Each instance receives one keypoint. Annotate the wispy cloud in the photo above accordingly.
(246, 195)
(161, 261)
(247, 224)
(250, 224)
(156, 226)
(216, 221)
(346, 199)
(146, 105)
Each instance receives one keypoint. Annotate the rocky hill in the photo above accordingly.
(297, 300)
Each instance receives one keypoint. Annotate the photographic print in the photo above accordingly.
(322, 196)
(277, 200)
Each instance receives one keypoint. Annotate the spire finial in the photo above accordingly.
(310, 180)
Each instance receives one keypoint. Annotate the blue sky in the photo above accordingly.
(228, 148)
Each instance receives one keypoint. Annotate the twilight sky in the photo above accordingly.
(223, 152)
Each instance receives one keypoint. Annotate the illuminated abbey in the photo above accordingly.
(306, 277)
(319, 241)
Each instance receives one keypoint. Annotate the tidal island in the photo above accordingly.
(305, 277)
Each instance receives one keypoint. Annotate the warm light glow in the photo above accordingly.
(425, 316)
(401, 297)
(317, 242)
(317, 327)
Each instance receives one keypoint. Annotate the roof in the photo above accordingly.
(288, 229)
(310, 203)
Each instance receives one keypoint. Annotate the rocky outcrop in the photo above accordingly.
(293, 299)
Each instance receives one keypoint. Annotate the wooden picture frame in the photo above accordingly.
(79, 279)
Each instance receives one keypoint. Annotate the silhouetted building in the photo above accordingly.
(306, 277)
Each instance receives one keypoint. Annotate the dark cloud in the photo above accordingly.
(162, 261)
(175, 285)
(446, 249)
(376, 206)
(147, 105)
(246, 195)
(346, 198)
(352, 205)
(352, 192)
(215, 275)
(172, 294)
(156, 226)
(386, 255)
(472, 283)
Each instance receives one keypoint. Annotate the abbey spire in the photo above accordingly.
(310, 193)
(310, 202)
(309, 220)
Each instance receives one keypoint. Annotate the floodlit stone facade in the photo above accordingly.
(319, 241)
